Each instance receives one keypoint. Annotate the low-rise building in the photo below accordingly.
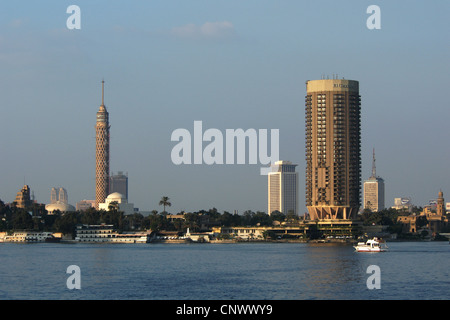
(120, 201)
(436, 220)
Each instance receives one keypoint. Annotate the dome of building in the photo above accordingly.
(63, 207)
(116, 196)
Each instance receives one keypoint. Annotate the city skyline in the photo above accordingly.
(165, 70)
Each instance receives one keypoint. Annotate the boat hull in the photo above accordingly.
(369, 249)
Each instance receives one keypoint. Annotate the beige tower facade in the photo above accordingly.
(101, 153)
(333, 148)
(23, 199)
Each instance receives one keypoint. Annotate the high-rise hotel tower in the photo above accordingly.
(101, 153)
(333, 148)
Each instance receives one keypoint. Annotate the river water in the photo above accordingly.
(238, 271)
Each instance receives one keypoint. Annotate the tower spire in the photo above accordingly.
(374, 169)
(103, 91)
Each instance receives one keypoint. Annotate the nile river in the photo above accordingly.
(239, 271)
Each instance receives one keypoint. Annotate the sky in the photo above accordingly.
(230, 64)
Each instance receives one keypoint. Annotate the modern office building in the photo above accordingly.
(53, 195)
(283, 188)
(374, 190)
(102, 153)
(333, 148)
(119, 183)
(59, 195)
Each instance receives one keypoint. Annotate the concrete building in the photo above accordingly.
(122, 203)
(403, 203)
(436, 219)
(84, 205)
(374, 191)
(23, 199)
(119, 183)
(59, 206)
(333, 148)
(101, 153)
(59, 194)
(283, 188)
(53, 195)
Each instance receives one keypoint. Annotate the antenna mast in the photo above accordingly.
(103, 91)
(374, 169)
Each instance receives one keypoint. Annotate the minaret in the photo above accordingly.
(440, 208)
(101, 153)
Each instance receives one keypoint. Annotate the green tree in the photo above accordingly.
(191, 221)
(133, 221)
(90, 216)
(22, 220)
(384, 217)
(112, 217)
(421, 221)
(66, 223)
(278, 216)
(165, 202)
(155, 222)
(113, 206)
(261, 218)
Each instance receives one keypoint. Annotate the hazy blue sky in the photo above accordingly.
(231, 64)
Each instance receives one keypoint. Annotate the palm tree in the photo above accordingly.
(165, 202)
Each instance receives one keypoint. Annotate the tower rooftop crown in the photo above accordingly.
(102, 114)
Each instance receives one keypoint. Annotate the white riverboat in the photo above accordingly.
(371, 245)
(106, 233)
(27, 236)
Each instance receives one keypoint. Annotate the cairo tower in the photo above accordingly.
(101, 153)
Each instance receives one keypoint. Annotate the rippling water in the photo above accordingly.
(283, 271)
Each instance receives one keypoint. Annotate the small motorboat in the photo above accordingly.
(371, 245)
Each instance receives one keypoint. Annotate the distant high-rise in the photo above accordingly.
(119, 183)
(374, 190)
(333, 148)
(53, 195)
(58, 195)
(101, 153)
(283, 188)
(23, 199)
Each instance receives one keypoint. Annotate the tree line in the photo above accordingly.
(38, 219)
